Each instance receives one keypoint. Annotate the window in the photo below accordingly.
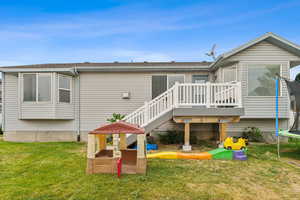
(44, 87)
(64, 89)
(160, 83)
(261, 79)
(172, 79)
(199, 78)
(229, 74)
(36, 87)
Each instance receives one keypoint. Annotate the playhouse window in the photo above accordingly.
(36, 87)
(64, 89)
(261, 79)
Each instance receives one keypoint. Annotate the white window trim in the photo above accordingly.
(263, 63)
(37, 90)
(58, 88)
(236, 73)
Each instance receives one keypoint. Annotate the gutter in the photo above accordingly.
(3, 102)
(140, 69)
(17, 70)
(211, 67)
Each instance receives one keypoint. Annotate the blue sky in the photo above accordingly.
(34, 31)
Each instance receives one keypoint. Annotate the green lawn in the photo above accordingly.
(35, 171)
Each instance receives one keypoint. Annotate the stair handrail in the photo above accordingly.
(142, 111)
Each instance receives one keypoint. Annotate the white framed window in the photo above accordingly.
(36, 87)
(261, 79)
(230, 74)
(64, 89)
(199, 78)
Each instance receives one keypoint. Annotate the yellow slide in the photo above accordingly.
(179, 155)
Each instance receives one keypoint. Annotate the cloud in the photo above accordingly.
(120, 20)
(96, 36)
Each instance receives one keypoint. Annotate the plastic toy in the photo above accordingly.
(231, 145)
(239, 155)
(119, 159)
(218, 154)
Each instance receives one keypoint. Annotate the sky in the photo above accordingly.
(56, 31)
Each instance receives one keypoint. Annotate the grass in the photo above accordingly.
(40, 171)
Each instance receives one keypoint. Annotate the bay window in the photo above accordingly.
(37, 87)
(261, 79)
(64, 89)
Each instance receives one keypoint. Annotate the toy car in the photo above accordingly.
(231, 145)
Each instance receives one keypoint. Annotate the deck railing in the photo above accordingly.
(188, 94)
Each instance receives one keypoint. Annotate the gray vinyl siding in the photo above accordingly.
(220, 72)
(11, 111)
(265, 125)
(263, 53)
(101, 94)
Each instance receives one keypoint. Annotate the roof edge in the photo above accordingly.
(236, 50)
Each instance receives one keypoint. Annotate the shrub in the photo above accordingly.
(150, 140)
(115, 117)
(254, 134)
(175, 137)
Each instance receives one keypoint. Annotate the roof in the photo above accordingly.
(270, 37)
(73, 68)
(110, 64)
(117, 128)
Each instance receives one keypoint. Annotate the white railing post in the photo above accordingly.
(208, 91)
(176, 94)
(146, 114)
(239, 94)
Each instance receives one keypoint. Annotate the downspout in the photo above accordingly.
(3, 102)
(78, 102)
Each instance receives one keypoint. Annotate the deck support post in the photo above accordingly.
(186, 146)
(222, 131)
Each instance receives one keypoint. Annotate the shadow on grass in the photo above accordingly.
(290, 150)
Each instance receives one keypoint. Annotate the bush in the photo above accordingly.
(115, 117)
(1, 132)
(175, 137)
(150, 140)
(253, 134)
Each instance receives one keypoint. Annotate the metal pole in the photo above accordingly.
(277, 120)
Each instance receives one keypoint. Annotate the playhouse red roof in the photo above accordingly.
(117, 128)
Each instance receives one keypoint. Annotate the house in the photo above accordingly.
(63, 102)
(0, 102)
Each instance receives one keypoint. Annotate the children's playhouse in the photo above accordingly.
(118, 159)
